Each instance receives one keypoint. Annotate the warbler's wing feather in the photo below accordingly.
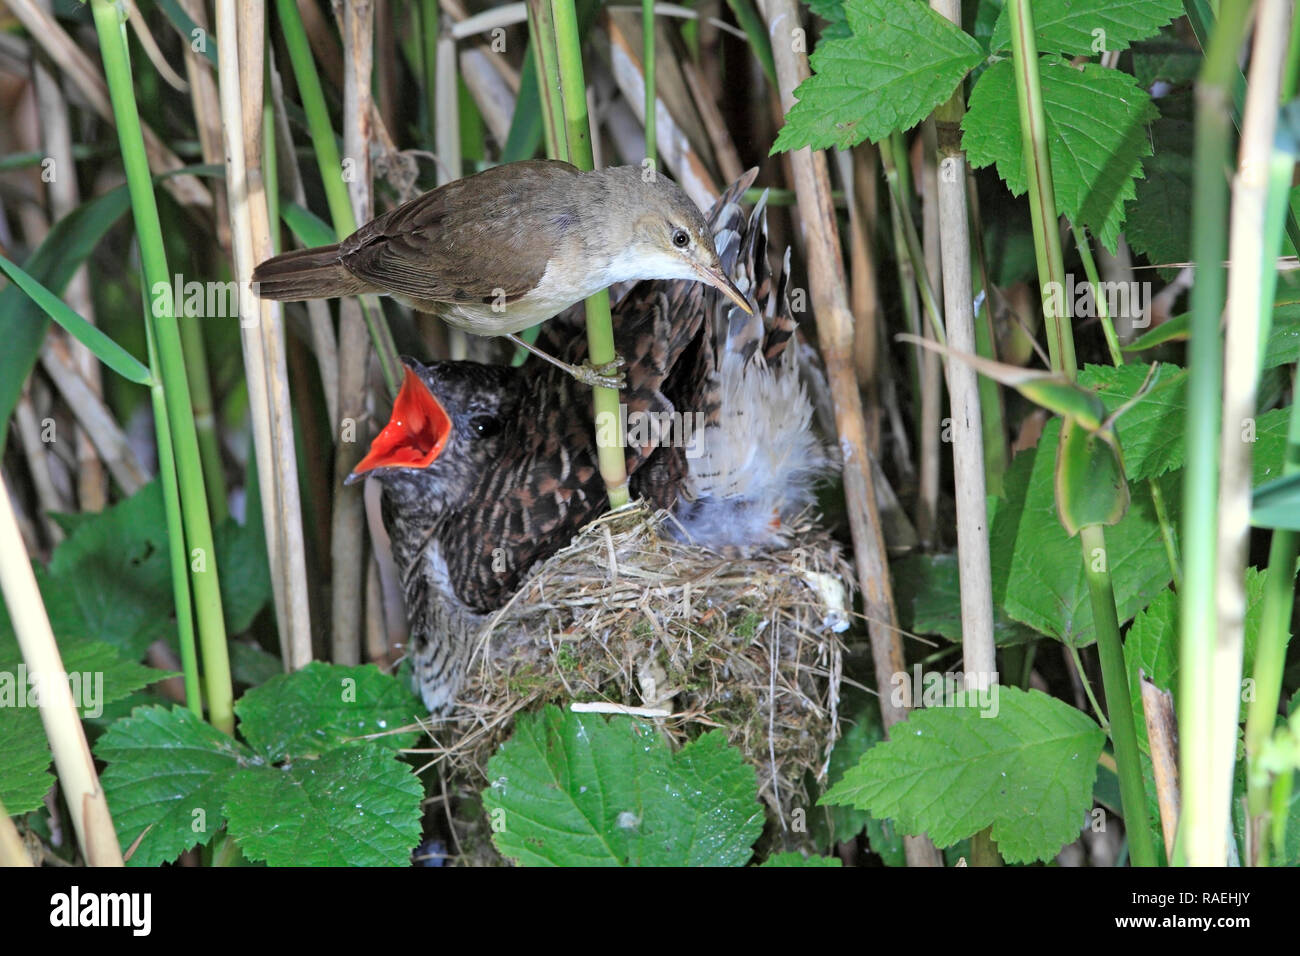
(462, 241)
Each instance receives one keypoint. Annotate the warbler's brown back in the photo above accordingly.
(464, 242)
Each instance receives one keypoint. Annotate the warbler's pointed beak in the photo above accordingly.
(415, 434)
(719, 281)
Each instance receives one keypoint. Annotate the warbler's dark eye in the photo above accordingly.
(484, 426)
(681, 239)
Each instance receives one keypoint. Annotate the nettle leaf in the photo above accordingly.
(1153, 432)
(1083, 27)
(1096, 132)
(100, 677)
(950, 772)
(322, 706)
(166, 774)
(114, 566)
(1038, 571)
(902, 61)
(25, 759)
(837, 21)
(573, 789)
(352, 806)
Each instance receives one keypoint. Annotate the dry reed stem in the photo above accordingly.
(64, 197)
(1162, 733)
(835, 334)
(74, 62)
(76, 769)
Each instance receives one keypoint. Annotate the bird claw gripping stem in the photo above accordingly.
(609, 375)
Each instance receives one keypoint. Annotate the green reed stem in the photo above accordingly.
(178, 411)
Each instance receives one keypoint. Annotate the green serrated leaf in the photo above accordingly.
(572, 789)
(1096, 132)
(1038, 570)
(115, 569)
(98, 672)
(902, 61)
(794, 858)
(1084, 27)
(949, 772)
(1153, 431)
(1090, 485)
(352, 806)
(104, 676)
(25, 758)
(321, 706)
(166, 774)
(837, 21)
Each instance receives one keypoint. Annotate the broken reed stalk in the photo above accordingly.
(76, 769)
(835, 335)
(1162, 737)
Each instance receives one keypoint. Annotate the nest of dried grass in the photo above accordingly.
(627, 620)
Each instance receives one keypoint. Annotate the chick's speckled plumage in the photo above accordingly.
(518, 477)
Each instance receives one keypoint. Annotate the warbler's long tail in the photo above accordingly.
(307, 274)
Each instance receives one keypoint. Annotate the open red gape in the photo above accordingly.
(415, 434)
